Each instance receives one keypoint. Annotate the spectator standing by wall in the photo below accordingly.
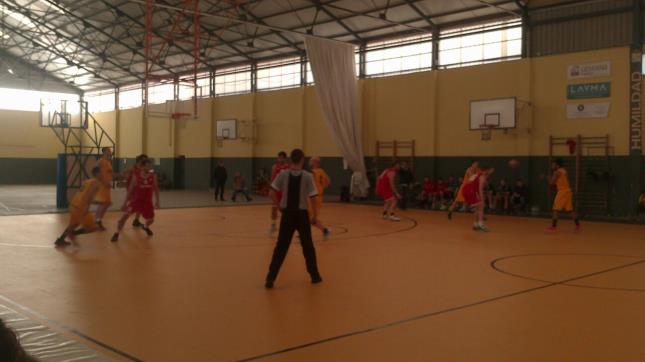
(220, 176)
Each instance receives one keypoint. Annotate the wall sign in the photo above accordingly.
(589, 70)
(635, 94)
(589, 90)
(587, 110)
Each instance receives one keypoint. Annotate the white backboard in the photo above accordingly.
(227, 129)
(492, 112)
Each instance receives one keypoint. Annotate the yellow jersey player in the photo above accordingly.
(104, 196)
(459, 198)
(79, 209)
(322, 181)
(564, 197)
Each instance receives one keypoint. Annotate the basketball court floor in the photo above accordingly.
(423, 289)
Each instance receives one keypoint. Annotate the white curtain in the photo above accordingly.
(334, 68)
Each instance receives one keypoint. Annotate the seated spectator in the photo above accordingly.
(440, 193)
(489, 196)
(519, 196)
(502, 195)
(452, 188)
(239, 187)
(426, 192)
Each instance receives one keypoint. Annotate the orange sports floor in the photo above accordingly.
(422, 289)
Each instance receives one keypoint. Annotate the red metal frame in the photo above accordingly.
(155, 53)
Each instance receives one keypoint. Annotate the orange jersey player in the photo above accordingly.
(322, 181)
(79, 209)
(459, 199)
(564, 197)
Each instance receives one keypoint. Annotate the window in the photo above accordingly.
(161, 93)
(487, 43)
(310, 74)
(29, 100)
(187, 87)
(398, 56)
(233, 80)
(130, 98)
(101, 101)
(284, 73)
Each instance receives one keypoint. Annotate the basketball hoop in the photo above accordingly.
(178, 115)
(487, 131)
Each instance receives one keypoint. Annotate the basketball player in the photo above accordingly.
(139, 199)
(322, 181)
(130, 174)
(386, 189)
(473, 193)
(459, 199)
(564, 197)
(281, 164)
(104, 196)
(79, 209)
(296, 186)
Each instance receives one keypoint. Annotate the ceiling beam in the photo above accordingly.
(45, 75)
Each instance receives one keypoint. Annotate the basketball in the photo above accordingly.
(513, 163)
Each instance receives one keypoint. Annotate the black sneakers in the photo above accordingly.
(61, 242)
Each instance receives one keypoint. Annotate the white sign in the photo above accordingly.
(588, 70)
(587, 110)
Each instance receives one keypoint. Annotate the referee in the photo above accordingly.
(296, 186)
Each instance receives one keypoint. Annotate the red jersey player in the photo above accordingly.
(386, 189)
(473, 192)
(130, 175)
(139, 200)
(281, 164)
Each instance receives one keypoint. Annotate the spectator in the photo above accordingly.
(406, 183)
(489, 196)
(427, 188)
(452, 188)
(519, 196)
(440, 193)
(220, 176)
(239, 187)
(10, 349)
(502, 193)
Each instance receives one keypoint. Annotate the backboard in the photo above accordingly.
(492, 114)
(227, 129)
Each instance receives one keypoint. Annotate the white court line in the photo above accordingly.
(9, 209)
(26, 245)
(5, 207)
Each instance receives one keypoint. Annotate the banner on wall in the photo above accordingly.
(589, 70)
(587, 110)
(589, 90)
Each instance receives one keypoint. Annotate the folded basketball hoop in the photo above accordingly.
(178, 115)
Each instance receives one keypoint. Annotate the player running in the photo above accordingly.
(79, 210)
(564, 197)
(129, 176)
(139, 199)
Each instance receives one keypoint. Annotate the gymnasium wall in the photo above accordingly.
(430, 107)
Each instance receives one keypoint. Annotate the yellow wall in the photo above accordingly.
(22, 137)
(549, 99)
(430, 107)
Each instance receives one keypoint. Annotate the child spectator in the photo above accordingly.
(502, 193)
(519, 196)
(440, 193)
(239, 187)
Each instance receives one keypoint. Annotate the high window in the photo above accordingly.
(283, 73)
(130, 98)
(101, 101)
(403, 55)
(233, 80)
(480, 44)
(29, 100)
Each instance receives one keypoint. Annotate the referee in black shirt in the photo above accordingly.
(297, 185)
